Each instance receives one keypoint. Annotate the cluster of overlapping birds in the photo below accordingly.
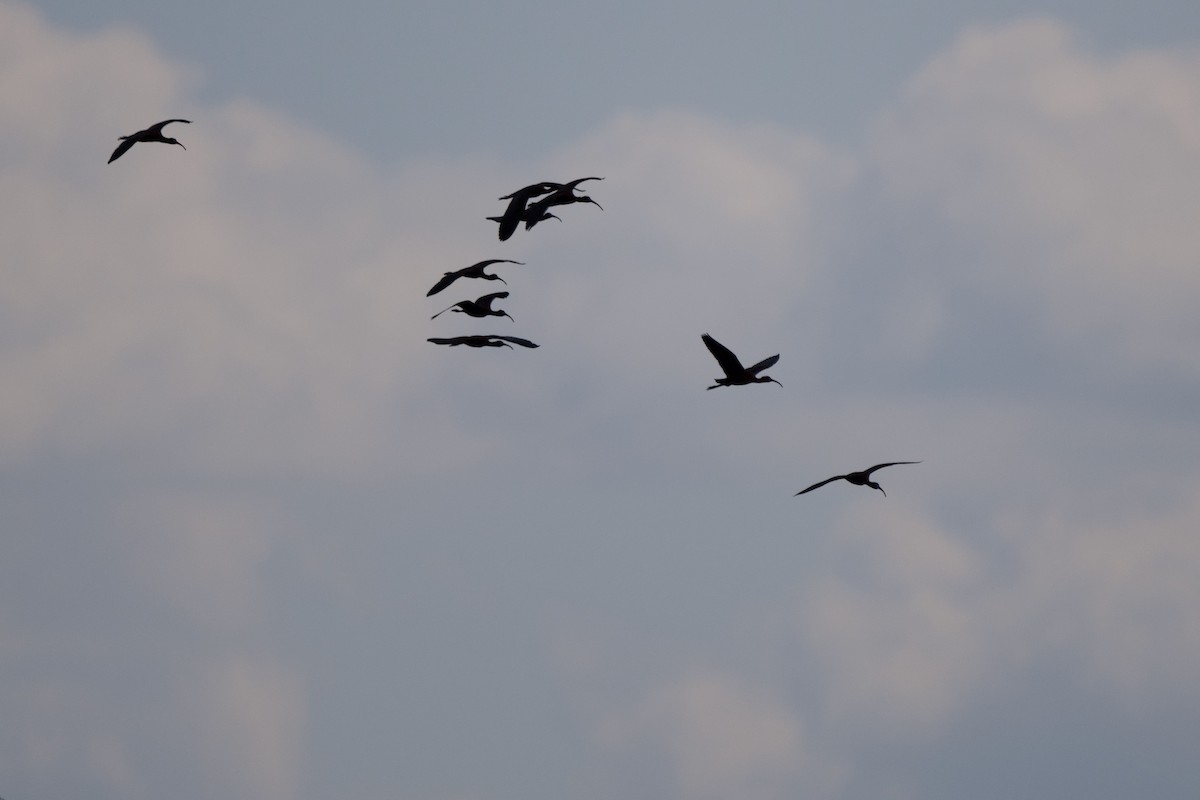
(522, 207)
(531, 206)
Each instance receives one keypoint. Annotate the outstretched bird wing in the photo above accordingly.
(490, 261)
(453, 340)
(818, 485)
(577, 181)
(533, 190)
(486, 300)
(447, 279)
(459, 304)
(760, 366)
(125, 144)
(868, 472)
(724, 356)
(516, 340)
(511, 217)
(157, 127)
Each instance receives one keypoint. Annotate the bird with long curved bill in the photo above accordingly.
(563, 195)
(483, 341)
(473, 271)
(735, 373)
(480, 307)
(152, 134)
(857, 478)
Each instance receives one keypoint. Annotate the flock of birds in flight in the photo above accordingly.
(530, 205)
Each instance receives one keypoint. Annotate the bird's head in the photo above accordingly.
(765, 379)
(585, 199)
(174, 141)
(875, 485)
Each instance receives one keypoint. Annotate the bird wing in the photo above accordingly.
(459, 304)
(577, 181)
(868, 472)
(516, 340)
(724, 356)
(532, 190)
(447, 279)
(486, 300)
(819, 485)
(125, 144)
(157, 127)
(760, 366)
(511, 218)
(491, 261)
(453, 340)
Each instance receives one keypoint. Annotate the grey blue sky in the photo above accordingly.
(262, 540)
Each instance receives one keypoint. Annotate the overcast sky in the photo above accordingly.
(262, 541)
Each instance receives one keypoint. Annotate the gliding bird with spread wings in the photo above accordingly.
(473, 271)
(152, 134)
(483, 341)
(857, 478)
(735, 373)
(480, 307)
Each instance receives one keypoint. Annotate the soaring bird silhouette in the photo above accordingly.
(481, 307)
(857, 478)
(563, 195)
(483, 341)
(735, 373)
(473, 271)
(152, 134)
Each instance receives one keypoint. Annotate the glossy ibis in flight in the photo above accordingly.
(483, 341)
(735, 373)
(481, 307)
(563, 195)
(857, 478)
(473, 271)
(152, 134)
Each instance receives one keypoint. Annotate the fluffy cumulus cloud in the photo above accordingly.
(265, 541)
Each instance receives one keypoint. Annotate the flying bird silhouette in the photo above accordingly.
(857, 478)
(564, 194)
(152, 134)
(473, 271)
(735, 373)
(480, 307)
(483, 341)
